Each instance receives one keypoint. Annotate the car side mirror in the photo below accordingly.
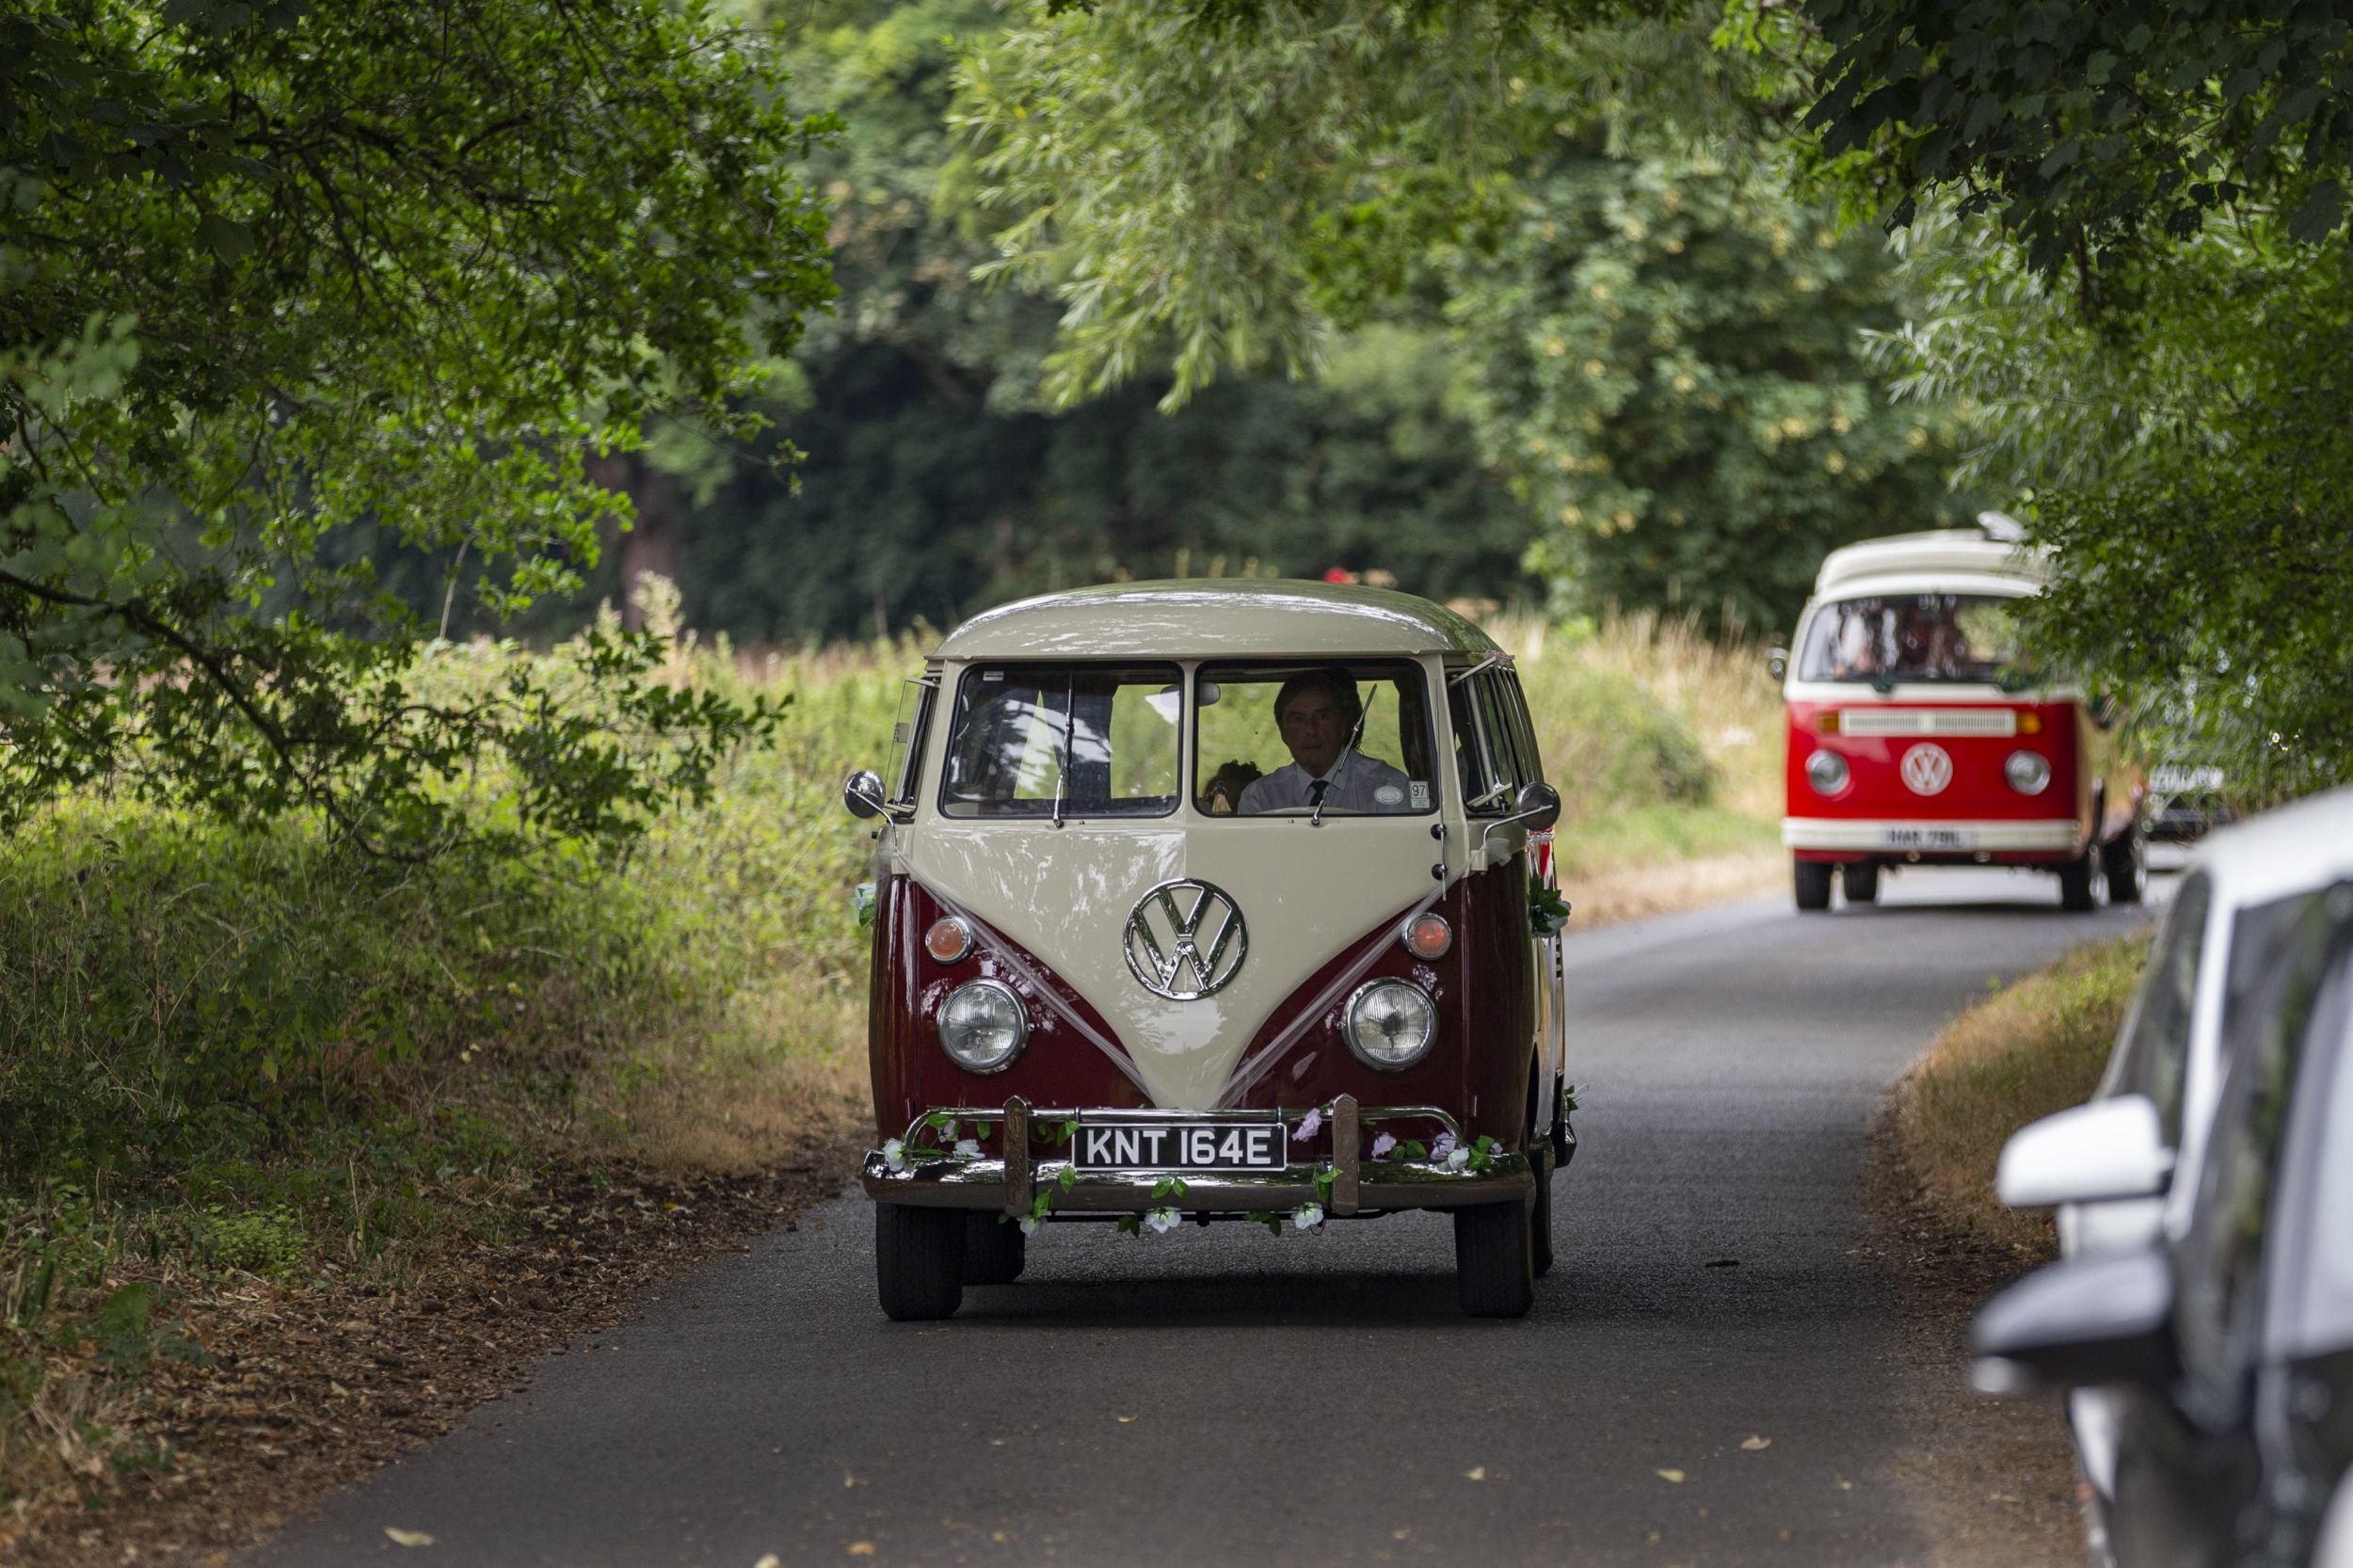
(1777, 661)
(862, 793)
(2110, 1149)
(2092, 1319)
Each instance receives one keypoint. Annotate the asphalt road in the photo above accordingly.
(1224, 1397)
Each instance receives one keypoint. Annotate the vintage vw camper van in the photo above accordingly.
(1921, 732)
(1202, 901)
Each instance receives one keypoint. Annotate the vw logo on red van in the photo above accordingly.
(1928, 768)
(1186, 948)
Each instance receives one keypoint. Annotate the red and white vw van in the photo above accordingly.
(1922, 733)
(1212, 901)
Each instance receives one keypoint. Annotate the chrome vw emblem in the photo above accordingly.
(1928, 768)
(1185, 940)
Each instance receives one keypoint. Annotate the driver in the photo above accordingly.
(1319, 714)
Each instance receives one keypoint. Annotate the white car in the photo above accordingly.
(2121, 1169)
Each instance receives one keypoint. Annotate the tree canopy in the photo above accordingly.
(277, 275)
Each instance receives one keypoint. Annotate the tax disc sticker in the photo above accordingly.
(1389, 794)
(1422, 794)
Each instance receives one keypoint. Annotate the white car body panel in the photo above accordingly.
(2298, 848)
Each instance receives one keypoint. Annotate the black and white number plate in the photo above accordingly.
(1176, 1144)
(1927, 837)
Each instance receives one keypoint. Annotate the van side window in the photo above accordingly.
(1514, 705)
(1496, 749)
(907, 736)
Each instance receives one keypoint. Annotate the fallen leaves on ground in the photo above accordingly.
(1675, 1476)
(258, 1441)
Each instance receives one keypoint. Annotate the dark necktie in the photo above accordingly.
(1315, 791)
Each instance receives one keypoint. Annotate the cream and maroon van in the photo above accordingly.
(1212, 901)
(1921, 733)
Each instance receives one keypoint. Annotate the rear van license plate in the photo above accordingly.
(1178, 1146)
(1929, 837)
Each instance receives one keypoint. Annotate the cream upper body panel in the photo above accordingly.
(1196, 619)
(1941, 556)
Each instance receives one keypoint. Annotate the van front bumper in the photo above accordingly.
(1356, 1184)
(1856, 835)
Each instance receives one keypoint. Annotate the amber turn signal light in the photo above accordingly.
(1429, 937)
(1825, 722)
(949, 940)
(2030, 724)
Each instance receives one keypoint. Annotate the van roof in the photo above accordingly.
(1944, 552)
(1212, 618)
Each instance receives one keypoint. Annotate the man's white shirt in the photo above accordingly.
(1358, 783)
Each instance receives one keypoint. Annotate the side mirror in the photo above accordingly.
(2103, 1317)
(862, 793)
(1777, 661)
(2110, 1149)
(1537, 807)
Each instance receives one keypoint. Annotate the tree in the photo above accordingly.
(1670, 352)
(1656, 342)
(2092, 131)
(934, 477)
(281, 276)
(2189, 463)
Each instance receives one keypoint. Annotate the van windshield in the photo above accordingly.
(1063, 741)
(1888, 638)
(1286, 738)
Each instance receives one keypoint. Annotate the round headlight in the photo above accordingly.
(981, 1025)
(1827, 772)
(1390, 1023)
(2028, 772)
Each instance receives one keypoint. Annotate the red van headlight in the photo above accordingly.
(2028, 772)
(1827, 772)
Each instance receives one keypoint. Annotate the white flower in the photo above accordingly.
(1382, 1145)
(1029, 1225)
(967, 1149)
(1457, 1159)
(895, 1154)
(1308, 1123)
(1162, 1220)
(1307, 1216)
(1444, 1147)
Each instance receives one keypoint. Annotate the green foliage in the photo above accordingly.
(934, 477)
(2184, 464)
(1670, 364)
(1610, 741)
(2094, 132)
(279, 277)
(1650, 337)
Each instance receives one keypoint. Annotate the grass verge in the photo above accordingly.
(2033, 1048)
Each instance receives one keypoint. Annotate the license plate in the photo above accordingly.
(1178, 1146)
(1927, 837)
